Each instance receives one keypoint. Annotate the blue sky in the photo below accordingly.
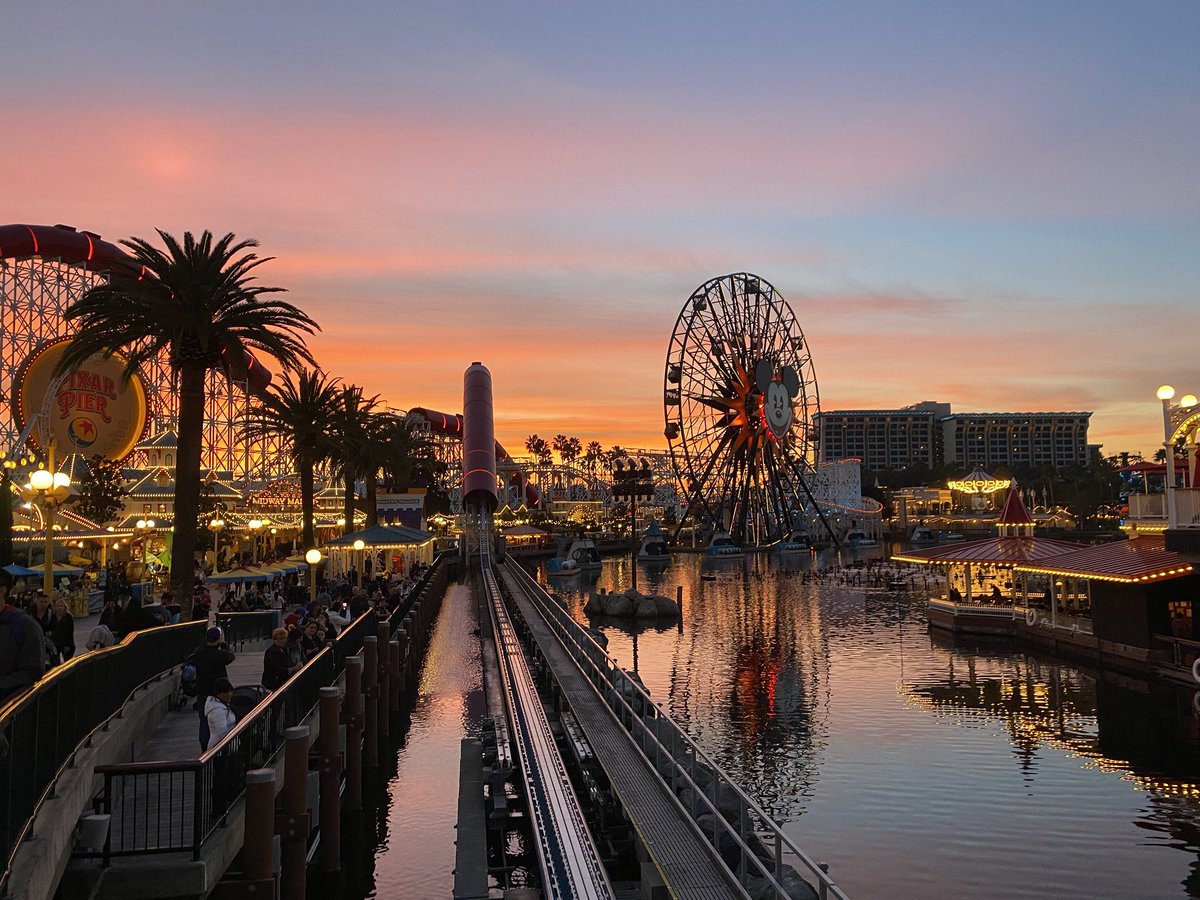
(992, 205)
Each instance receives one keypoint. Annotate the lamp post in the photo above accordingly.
(633, 481)
(1165, 393)
(215, 525)
(358, 547)
(254, 525)
(313, 558)
(51, 489)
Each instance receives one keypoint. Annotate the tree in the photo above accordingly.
(300, 408)
(592, 456)
(101, 490)
(197, 304)
(355, 449)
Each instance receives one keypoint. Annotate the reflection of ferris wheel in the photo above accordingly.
(739, 397)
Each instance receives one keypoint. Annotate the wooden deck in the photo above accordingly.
(164, 801)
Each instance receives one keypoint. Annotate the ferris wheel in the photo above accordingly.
(739, 396)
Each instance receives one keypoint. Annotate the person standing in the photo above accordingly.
(219, 714)
(277, 661)
(22, 659)
(62, 632)
(210, 661)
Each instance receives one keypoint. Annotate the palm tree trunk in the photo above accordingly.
(348, 504)
(372, 500)
(307, 502)
(187, 481)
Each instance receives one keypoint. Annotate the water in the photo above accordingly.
(915, 766)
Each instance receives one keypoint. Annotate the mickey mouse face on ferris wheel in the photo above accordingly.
(778, 387)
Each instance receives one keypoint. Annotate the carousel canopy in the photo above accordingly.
(383, 536)
(1010, 551)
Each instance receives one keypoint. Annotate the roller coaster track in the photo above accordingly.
(570, 865)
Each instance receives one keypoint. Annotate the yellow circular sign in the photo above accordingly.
(91, 410)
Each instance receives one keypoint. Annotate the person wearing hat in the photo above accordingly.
(210, 661)
(218, 712)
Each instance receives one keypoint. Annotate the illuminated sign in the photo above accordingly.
(980, 485)
(92, 409)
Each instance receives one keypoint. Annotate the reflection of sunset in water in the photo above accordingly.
(914, 766)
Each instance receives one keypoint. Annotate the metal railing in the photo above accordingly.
(1173, 651)
(682, 765)
(998, 612)
(42, 728)
(242, 628)
(165, 806)
(196, 794)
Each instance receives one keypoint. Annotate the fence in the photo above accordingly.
(242, 628)
(42, 728)
(165, 806)
(680, 761)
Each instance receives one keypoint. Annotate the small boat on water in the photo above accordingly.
(653, 547)
(796, 542)
(951, 537)
(859, 539)
(923, 534)
(574, 555)
(721, 546)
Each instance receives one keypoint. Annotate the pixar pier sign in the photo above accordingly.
(93, 410)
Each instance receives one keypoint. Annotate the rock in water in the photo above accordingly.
(666, 606)
(617, 605)
(646, 608)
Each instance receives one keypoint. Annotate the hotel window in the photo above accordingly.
(147, 508)
(162, 509)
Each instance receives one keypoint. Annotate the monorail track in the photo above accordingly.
(571, 868)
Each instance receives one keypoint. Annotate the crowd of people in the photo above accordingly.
(38, 631)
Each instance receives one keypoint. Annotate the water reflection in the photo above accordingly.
(914, 764)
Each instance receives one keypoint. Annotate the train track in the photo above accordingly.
(570, 865)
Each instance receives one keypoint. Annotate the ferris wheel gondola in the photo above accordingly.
(740, 394)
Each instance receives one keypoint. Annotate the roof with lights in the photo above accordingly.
(1136, 560)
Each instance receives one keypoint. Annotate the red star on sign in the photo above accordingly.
(86, 428)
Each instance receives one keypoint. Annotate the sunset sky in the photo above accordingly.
(992, 205)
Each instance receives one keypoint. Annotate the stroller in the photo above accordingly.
(187, 683)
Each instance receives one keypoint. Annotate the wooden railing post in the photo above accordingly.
(331, 775)
(257, 847)
(371, 692)
(394, 679)
(293, 824)
(384, 634)
(352, 715)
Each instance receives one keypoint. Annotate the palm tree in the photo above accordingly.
(592, 455)
(300, 408)
(196, 304)
(353, 434)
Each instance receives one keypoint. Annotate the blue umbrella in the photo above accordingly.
(20, 571)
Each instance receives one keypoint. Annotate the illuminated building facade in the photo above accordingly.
(930, 434)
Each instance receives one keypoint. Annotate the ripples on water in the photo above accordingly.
(914, 765)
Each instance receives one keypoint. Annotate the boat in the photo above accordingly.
(654, 545)
(574, 555)
(923, 534)
(796, 542)
(721, 546)
(951, 537)
(859, 539)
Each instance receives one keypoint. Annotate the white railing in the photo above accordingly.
(960, 609)
(1148, 506)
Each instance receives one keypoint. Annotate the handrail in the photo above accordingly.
(586, 652)
(45, 725)
(215, 780)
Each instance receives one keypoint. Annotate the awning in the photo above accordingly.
(1137, 560)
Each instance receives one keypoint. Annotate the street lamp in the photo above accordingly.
(313, 558)
(633, 481)
(215, 525)
(359, 544)
(254, 525)
(51, 489)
